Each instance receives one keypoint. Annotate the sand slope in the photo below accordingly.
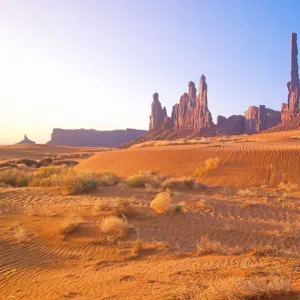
(258, 160)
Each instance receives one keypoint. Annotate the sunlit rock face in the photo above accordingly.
(291, 109)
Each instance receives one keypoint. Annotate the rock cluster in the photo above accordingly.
(191, 113)
(292, 109)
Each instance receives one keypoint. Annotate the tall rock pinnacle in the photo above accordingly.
(291, 109)
(158, 114)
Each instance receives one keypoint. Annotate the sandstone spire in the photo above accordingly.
(158, 114)
(291, 109)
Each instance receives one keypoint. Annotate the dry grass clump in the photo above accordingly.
(183, 183)
(143, 178)
(114, 206)
(108, 179)
(70, 224)
(161, 203)
(206, 246)
(201, 205)
(288, 187)
(75, 183)
(246, 192)
(15, 177)
(139, 245)
(21, 234)
(248, 288)
(209, 164)
(114, 225)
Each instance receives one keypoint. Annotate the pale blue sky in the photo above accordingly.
(96, 64)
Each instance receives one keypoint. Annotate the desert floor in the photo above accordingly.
(236, 239)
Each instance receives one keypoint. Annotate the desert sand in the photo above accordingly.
(237, 238)
(255, 160)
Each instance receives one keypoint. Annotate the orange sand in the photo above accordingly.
(265, 159)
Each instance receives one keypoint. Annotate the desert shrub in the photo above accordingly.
(27, 162)
(143, 178)
(115, 206)
(67, 163)
(114, 225)
(209, 164)
(4, 185)
(46, 172)
(235, 288)
(183, 183)
(15, 177)
(246, 192)
(47, 161)
(8, 164)
(82, 184)
(288, 187)
(108, 179)
(21, 234)
(161, 202)
(206, 246)
(75, 183)
(70, 224)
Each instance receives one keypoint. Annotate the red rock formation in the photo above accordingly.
(255, 119)
(233, 125)
(192, 112)
(158, 114)
(260, 118)
(273, 118)
(292, 109)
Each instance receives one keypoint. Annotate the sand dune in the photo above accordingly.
(265, 159)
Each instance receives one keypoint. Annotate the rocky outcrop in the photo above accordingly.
(191, 113)
(158, 114)
(292, 109)
(273, 118)
(26, 141)
(255, 119)
(233, 125)
(260, 118)
(94, 138)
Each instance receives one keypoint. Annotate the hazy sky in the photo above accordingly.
(96, 64)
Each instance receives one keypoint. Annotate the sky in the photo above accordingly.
(96, 63)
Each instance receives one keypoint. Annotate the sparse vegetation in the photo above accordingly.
(114, 225)
(143, 178)
(288, 187)
(235, 288)
(21, 234)
(161, 202)
(183, 183)
(206, 246)
(70, 224)
(209, 165)
(247, 193)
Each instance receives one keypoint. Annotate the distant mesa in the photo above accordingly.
(94, 138)
(26, 141)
